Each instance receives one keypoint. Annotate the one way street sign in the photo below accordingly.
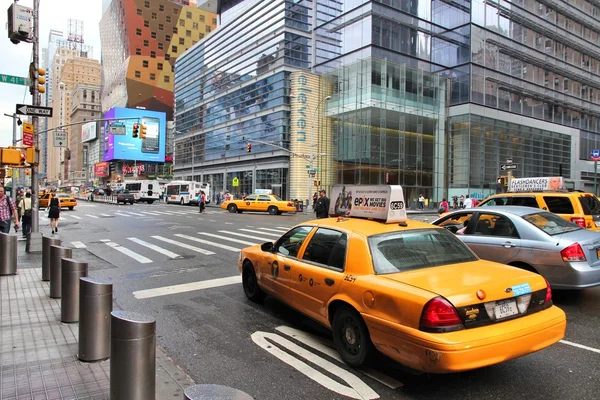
(36, 111)
(504, 167)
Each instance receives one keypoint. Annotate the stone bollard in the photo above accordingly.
(132, 356)
(47, 241)
(95, 306)
(8, 254)
(72, 270)
(57, 253)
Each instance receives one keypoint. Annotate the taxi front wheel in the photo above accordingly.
(351, 337)
(251, 289)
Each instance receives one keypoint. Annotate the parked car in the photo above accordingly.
(564, 253)
(125, 196)
(95, 192)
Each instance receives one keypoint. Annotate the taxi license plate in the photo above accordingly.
(505, 308)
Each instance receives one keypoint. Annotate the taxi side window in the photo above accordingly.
(289, 244)
(496, 201)
(327, 247)
(559, 204)
(252, 197)
(264, 198)
(524, 201)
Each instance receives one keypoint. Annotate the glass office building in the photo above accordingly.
(430, 94)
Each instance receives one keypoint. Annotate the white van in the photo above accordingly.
(186, 192)
(144, 190)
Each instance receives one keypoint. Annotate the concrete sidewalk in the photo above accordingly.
(38, 353)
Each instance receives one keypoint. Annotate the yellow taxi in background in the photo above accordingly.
(409, 289)
(65, 200)
(260, 202)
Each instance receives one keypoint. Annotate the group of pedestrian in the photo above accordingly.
(20, 211)
(202, 202)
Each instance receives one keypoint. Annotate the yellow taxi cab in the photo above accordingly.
(65, 200)
(549, 193)
(409, 289)
(259, 202)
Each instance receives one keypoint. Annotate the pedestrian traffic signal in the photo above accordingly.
(32, 155)
(37, 77)
(501, 181)
(249, 148)
(142, 131)
(12, 157)
(136, 128)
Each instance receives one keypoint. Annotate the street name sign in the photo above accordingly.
(117, 129)
(15, 80)
(60, 138)
(595, 155)
(27, 134)
(504, 167)
(36, 111)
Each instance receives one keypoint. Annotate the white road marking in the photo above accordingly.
(134, 213)
(263, 233)
(357, 389)
(43, 218)
(228, 238)
(283, 227)
(208, 242)
(155, 248)
(185, 245)
(228, 223)
(273, 230)
(149, 213)
(74, 216)
(124, 215)
(106, 215)
(162, 212)
(91, 216)
(138, 257)
(326, 347)
(78, 245)
(248, 236)
(581, 346)
(187, 287)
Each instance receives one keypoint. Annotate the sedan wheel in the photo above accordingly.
(351, 337)
(232, 208)
(250, 284)
(273, 210)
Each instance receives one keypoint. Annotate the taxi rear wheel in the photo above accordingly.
(273, 210)
(251, 289)
(351, 337)
(232, 208)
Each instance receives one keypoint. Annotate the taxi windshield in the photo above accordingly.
(417, 249)
(551, 223)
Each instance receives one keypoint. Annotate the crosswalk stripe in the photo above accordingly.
(283, 227)
(178, 212)
(154, 247)
(162, 212)
(187, 287)
(228, 238)
(74, 216)
(149, 213)
(43, 218)
(273, 230)
(122, 214)
(248, 236)
(91, 216)
(134, 213)
(78, 245)
(138, 257)
(264, 233)
(208, 242)
(106, 215)
(185, 245)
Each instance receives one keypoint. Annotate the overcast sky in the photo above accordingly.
(15, 59)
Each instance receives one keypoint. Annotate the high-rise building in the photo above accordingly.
(436, 96)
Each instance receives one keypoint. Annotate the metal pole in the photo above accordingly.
(95, 306)
(72, 270)
(34, 240)
(47, 242)
(595, 176)
(57, 253)
(8, 249)
(13, 191)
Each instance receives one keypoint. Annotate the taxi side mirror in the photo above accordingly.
(268, 246)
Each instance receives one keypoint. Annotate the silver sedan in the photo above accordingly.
(567, 255)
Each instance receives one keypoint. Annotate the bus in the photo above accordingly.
(186, 192)
(144, 190)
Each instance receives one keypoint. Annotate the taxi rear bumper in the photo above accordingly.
(469, 348)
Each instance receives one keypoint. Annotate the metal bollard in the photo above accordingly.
(72, 270)
(95, 306)
(57, 253)
(8, 254)
(214, 392)
(46, 243)
(132, 356)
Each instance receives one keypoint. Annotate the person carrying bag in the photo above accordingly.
(25, 207)
(8, 211)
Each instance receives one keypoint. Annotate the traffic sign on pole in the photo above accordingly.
(60, 138)
(37, 111)
(27, 134)
(505, 167)
(595, 155)
(15, 80)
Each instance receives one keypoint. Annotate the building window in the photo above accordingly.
(153, 15)
(214, 21)
(159, 66)
(167, 56)
(172, 68)
(167, 79)
(174, 49)
(168, 18)
(138, 31)
(181, 40)
(147, 4)
(202, 36)
(160, 46)
(175, 30)
(175, 11)
(138, 52)
(147, 24)
(202, 18)
(152, 54)
(153, 35)
(207, 28)
(139, 11)
(152, 76)
(194, 42)
(161, 27)
(138, 74)
(145, 43)
(188, 15)
(168, 38)
(145, 63)
(161, 7)
(181, 22)
(188, 33)
(195, 26)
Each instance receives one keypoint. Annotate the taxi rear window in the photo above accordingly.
(417, 249)
(590, 204)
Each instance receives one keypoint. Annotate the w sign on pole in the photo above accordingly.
(595, 155)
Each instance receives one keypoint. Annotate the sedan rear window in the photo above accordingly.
(417, 249)
(550, 223)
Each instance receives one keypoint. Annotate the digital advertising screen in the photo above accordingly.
(124, 146)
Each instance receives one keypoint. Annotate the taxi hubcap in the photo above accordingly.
(350, 335)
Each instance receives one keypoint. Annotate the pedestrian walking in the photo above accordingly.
(322, 205)
(8, 211)
(202, 202)
(444, 206)
(461, 203)
(421, 202)
(25, 207)
(468, 202)
(54, 212)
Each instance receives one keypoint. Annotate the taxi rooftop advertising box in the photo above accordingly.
(126, 147)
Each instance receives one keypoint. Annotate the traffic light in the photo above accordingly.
(37, 77)
(142, 131)
(32, 156)
(501, 181)
(12, 157)
(249, 148)
(136, 128)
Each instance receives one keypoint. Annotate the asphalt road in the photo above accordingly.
(270, 351)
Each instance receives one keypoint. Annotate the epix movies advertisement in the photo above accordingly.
(126, 147)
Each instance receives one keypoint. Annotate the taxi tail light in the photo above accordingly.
(548, 298)
(440, 316)
(573, 253)
(290, 204)
(579, 221)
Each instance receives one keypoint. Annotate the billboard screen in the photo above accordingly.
(101, 169)
(126, 147)
(88, 132)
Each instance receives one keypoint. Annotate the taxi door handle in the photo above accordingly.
(508, 245)
(286, 267)
(329, 281)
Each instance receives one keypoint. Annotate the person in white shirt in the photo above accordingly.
(468, 202)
